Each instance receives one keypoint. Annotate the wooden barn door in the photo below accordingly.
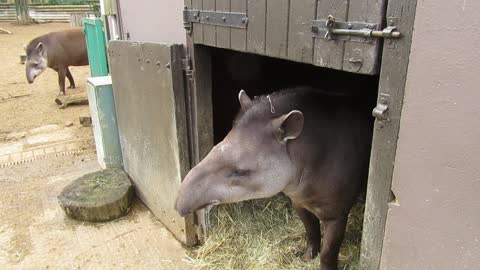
(149, 90)
(295, 30)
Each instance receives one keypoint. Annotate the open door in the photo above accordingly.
(149, 90)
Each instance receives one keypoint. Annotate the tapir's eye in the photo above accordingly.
(239, 173)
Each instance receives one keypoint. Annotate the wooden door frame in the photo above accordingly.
(394, 67)
(393, 75)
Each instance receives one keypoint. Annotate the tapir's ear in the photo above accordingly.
(40, 48)
(245, 101)
(289, 126)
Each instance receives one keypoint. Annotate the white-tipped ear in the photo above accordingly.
(245, 101)
(25, 47)
(289, 126)
(40, 48)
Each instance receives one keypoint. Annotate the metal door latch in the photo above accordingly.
(330, 29)
(380, 112)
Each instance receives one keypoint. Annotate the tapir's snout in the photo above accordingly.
(188, 195)
(181, 206)
(197, 192)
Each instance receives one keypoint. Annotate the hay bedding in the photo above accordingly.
(267, 234)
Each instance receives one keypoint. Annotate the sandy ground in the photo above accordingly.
(23, 105)
(44, 148)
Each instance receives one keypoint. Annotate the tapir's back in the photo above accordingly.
(64, 48)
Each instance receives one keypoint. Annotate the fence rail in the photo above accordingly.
(45, 13)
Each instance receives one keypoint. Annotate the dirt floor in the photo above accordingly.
(44, 148)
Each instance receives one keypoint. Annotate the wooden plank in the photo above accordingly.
(209, 31)
(329, 53)
(300, 40)
(277, 28)
(256, 26)
(392, 82)
(238, 36)
(197, 27)
(364, 57)
(202, 117)
(223, 33)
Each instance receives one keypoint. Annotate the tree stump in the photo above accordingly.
(100, 196)
(67, 100)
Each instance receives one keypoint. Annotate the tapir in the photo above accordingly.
(312, 147)
(58, 51)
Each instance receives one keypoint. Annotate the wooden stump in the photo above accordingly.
(100, 196)
(77, 99)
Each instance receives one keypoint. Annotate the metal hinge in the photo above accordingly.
(228, 19)
(187, 66)
(330, 29)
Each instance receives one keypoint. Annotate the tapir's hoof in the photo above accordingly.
(61, 94)
(309, 255)
(71, 87)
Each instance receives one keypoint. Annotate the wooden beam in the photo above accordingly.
(393, 76)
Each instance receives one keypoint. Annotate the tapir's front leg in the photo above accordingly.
(70, 79)
(332, 240)
(62, 72)
(312, 228)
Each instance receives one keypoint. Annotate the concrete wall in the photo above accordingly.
(436, 224)
(153, 20)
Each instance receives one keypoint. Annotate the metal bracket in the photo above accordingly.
(227, 19)
(330, 29)
(380, 112)
(187, 66)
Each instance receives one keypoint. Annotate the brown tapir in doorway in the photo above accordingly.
(312, 147)
(58, 51)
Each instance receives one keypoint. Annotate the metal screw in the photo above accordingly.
(244, 20)
(349, 26)
(207, 18)
(370, 26)
(167, 65)
(390, 22)
(195, 16)
(224, 19)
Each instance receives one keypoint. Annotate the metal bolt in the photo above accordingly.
(390, 22)
(370, 26)
(167, 65)
(224, 18)
(207, 18)
(195, 16)
(244, 20)
(349, 26)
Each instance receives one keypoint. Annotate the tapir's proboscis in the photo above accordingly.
(312, 147)
(58, 51)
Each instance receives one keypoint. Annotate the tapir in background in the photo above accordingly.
(312, 147)
(58, 51)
